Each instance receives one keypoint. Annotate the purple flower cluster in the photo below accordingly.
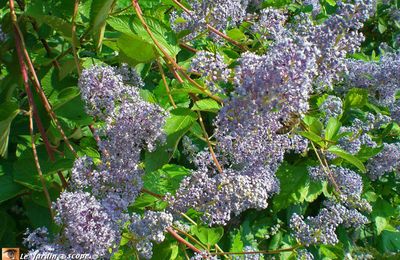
(332, 107)
(149, 228)
(303, 254)
(218, 13)
(385, 162)
(254, 128)
(94, 210)
(220, 195)
(381, 79)
(321, 228)
(212, 68)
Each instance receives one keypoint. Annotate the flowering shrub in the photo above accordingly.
(197, 129)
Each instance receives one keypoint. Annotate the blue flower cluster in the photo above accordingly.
(94, 209)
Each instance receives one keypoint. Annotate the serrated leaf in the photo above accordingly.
(297, 188)
(132, 26)
(99, 11)
(348, 157)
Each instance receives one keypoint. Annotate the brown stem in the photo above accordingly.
(73, 33)
(187, 47)
(153, 194)
(206, 137)
(39, 89)
(170, 60)
(19, 47)
(325, 167)
(37, 163)
(45, 44)
(183, 241)
(32, 107)
(190, 237)
(166, 84)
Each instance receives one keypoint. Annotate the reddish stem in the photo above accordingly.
(183, 241)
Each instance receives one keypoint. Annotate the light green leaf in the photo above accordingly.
(134, 49)
(332, 128)
(208, 236)
(348, 157)
(208, 105)
(356, 98)
(166, 179)
(312, 136)
(132, 26)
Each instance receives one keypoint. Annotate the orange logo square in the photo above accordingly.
(10, 254)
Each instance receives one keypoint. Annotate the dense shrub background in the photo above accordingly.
(62, 41)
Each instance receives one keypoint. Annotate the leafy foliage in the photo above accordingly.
(359, 137)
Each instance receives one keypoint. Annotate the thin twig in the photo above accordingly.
(183, 241)
(325, 167)
(170, 60)
(153, 194)
(187, 47)
(166, 84)
(32, 107)
(73, 33)
(20, 45)
(207, 139)
(42, 95)
(190, 237)
(37, 163)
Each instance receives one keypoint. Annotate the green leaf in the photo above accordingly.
(348, 157)
(389, 241)
(98, 14)
(297, 188)
(134, 49)
(312, 136)
(331, 2)
(356, 98)
(237, 243)
(208, 105)
(132, 26)
(99, 11)
(208, 236)
(8, 111)
(9, 189)
(332, 128)
(166, 179)
(179, 122)
(313, 123)
(236, 34)
(168, 250)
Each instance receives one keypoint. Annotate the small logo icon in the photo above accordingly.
(10, 254)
